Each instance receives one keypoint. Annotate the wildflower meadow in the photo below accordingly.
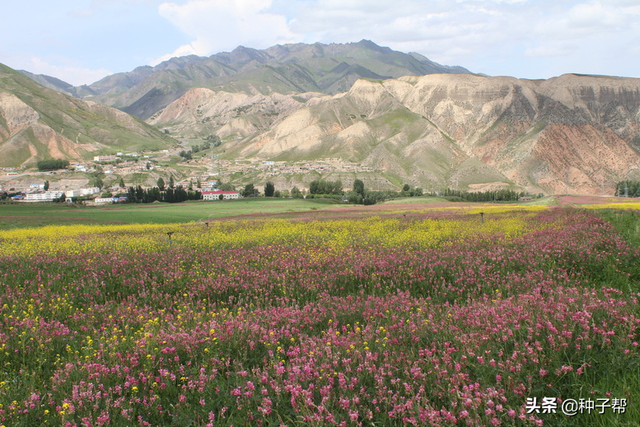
(435, 319)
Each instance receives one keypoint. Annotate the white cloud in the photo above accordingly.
(547, 51)
(69, 73)
(219, 25)
(592, 18)
(446, 32)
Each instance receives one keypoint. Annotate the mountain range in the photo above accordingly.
(285, 69)
(401, 114)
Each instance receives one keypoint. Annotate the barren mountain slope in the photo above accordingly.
(201, 112)
(572, 133)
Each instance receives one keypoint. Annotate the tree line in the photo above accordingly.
(628, 188)
(168, 195)
(486, 196)
(52, 164)
(320, 186)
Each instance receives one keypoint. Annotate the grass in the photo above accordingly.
(545, 201)
(626, 222)
(421, 199)
(622, 380)
(20, 215)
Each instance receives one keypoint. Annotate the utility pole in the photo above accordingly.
(212, 165)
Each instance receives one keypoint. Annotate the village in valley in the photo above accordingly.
(105, 178)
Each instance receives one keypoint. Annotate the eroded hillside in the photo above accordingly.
(567, 134)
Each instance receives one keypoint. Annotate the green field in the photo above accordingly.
(20, 215)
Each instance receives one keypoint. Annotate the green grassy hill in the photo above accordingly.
(37, 123)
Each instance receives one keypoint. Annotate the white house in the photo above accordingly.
(105, 199)
(83, 192)
(110, 199)
(110, 158)
(215, 195)
(47, 196)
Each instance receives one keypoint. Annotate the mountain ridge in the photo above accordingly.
(289, 68)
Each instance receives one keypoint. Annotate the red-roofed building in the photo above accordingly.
(220, 195)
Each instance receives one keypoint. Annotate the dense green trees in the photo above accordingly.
(320, 186)
(187, 155)
(170, 195)
(269, 189)
(485, 196)
(250, 191)
(52, 164)
(628, 188)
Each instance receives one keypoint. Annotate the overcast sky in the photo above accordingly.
(81, 41)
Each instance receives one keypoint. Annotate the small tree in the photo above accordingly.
(187, 155)
(46, 185)
(358, 187)
(160, 183)
(296, 193)
(171, 182)
(249, 191)
(269, 189)
(98, 183)
(367, 201)
(121, 184)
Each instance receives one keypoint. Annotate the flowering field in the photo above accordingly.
(439, 320)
